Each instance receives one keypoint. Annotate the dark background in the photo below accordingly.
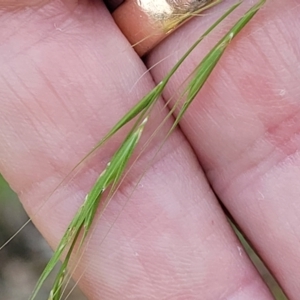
(24, 258)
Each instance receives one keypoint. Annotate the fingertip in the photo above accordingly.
(146, 23)
(140, 30)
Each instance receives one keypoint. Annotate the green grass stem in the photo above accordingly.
(110, 178)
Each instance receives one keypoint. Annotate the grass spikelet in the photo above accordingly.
(83, 219)
(109, 180)
(207, 65)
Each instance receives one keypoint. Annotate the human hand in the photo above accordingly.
(67, 76)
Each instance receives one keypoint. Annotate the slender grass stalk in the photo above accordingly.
(109, 180)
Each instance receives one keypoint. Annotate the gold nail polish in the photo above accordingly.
(172, 13)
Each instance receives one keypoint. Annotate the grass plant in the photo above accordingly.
(109, 180)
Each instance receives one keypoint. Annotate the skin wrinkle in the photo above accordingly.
(211, 172)
(51, 87)
(282, 38)
(284, 236)
(17, 6)
(241, 155)
(24, 104)
(274, 68)
(247, 149)
(286, 142)
(55, 167)
(267, 134)
(11, 31)
(286, 65)
(48, 84)
(12, 56)
(263, 166)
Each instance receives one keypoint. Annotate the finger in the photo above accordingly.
(62, 88)
(244, 127)
(156, 20)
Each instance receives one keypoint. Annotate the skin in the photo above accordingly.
(63, 64)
